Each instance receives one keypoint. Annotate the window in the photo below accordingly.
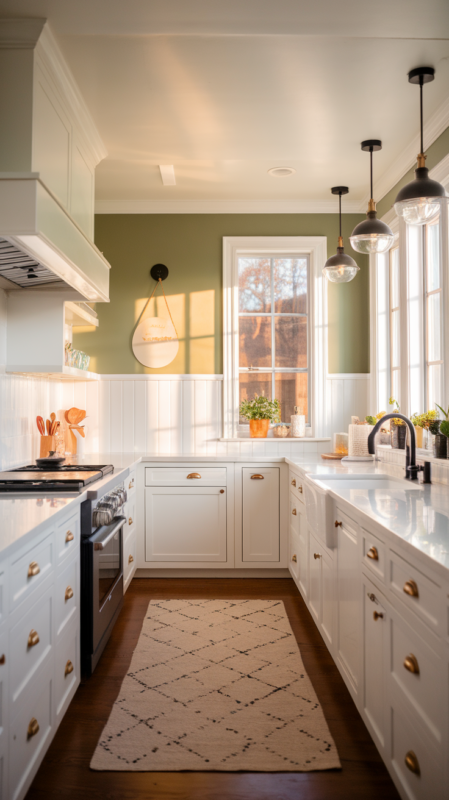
(395, 342)
(433, 316)
(273, 331)
(275, 327)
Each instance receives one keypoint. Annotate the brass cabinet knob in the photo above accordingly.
(371, 596)
(33, 728)
(410, 588)
(33, 638)
(293, 482)
(69, 537)
(294, 559)
(257, 477)
(373, 554)
(294, 512)
(338, 524)
(130, 559)
(33, 569)
(2, 660)
(68, 669)
(300, 489)
(131, 484)
(411, 664)
(68, 593)
(317, 555)
(412, 763)
(377, 615)
(222, 491)
(194, 475)
(130, 521)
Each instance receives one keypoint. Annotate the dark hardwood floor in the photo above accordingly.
(65, 774)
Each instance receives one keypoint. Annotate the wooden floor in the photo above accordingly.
(65, 771)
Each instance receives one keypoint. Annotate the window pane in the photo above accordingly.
(395, 385)
(433, 257)
(290, 285)
(255, 341)
(291, 342)
(414, 244)
(395, 342)
(433, 328)
(395, 278)
(434, 386)
(291, 391)
(250, 384)
(254, 284)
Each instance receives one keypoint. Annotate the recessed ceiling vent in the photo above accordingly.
(22, 269)
(281, 172)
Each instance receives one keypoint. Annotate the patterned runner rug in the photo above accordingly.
(216, 685)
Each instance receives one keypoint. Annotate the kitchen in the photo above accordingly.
(199, 319)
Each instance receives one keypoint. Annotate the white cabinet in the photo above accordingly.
(321, 589)
(299, 545)
(347, 575)
(185, 525)
(261, 524)
(375, 661)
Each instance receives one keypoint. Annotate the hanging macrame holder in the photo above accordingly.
(155, 341)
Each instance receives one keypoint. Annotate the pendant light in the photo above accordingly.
(340, 268)
(371, 235)
(419, 201)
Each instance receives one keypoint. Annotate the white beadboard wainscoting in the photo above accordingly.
(347, 395)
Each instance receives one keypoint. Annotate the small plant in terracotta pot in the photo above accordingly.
(260, 412)
(397, 427)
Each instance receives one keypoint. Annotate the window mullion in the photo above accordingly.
(273, 342)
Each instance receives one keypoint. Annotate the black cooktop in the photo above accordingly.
(65, 478)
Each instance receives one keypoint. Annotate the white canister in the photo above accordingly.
(358, 440)
(298, 428)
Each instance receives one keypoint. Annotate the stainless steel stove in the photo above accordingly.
(67, 478)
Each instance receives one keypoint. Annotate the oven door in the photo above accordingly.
(107, 576)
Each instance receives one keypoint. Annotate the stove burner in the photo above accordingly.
(68, 478)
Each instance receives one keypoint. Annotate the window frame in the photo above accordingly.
(315, 247)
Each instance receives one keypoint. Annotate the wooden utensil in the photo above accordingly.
(52, 416)
(80, 430)
(40, 425)
(48, 427)
(53, 426)
(75, 415)
(47, 444)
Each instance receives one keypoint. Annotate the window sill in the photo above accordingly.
(276, 439)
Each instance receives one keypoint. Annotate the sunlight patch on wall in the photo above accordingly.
(202, 313)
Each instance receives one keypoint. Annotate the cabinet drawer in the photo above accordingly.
(417, 672)
(130, 514)
(294, 514)
(185, 476)
(296, 486)
(419, 594)
(66, 596)
(30, 570)
(31, 641)
(374, 554)
(30, 734)
(408, 743)
(68, 536)
(67, 667)
(130, 482)
(129, 557)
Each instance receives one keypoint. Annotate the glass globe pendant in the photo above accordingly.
(372, 235)
(419, 202)
(340, 268)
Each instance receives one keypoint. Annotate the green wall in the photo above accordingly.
(191, 247)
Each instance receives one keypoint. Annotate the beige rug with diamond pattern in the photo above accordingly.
(216, 685)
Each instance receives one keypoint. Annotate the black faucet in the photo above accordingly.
(411, 468)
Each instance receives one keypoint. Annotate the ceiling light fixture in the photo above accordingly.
(419, 201)
(340, 268)
(281, 172)
(371, 235)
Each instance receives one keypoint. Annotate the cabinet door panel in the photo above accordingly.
(348, 601)
(374, 661)
(314, 578)
(303, 553)
(185, 524)
(260, 514)
(327, 599)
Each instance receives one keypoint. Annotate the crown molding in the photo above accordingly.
(433, 128)
(221, 207)
(47, 50)
(20, 34)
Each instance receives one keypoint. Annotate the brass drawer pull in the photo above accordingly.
(410, 588)
(373, 554)
(68, 669)
(33, 569)
(194, 475)
(257, 477)
(130, 521)
(300, 489)
(294, 559)
(2, 660)
(130, 559)
(317, 555)
(377, 615)
(294, 512)
(33, 728)
(33, 638)
(411, 664)
(68, 593)
(131, 484)
(371, 596)
(69, 537)
(412, 763)
(338, 524)
(293, 482)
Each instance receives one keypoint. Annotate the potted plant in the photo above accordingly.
(422, 423)
(397, 427)
(260, 412)
(438, 428)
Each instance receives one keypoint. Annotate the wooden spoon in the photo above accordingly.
(48, 427)
(75, 415)
(40, 425)
(52, 416)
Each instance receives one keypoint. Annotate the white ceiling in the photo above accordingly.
(226, 90)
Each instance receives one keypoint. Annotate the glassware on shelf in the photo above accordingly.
(75, 358)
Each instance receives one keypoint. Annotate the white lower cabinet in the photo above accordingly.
(375, 663)
(321, 589)
(261, 524)
(347, 574)
(129, 560)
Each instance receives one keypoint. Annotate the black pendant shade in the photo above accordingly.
(372, 235)
(340, 268)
